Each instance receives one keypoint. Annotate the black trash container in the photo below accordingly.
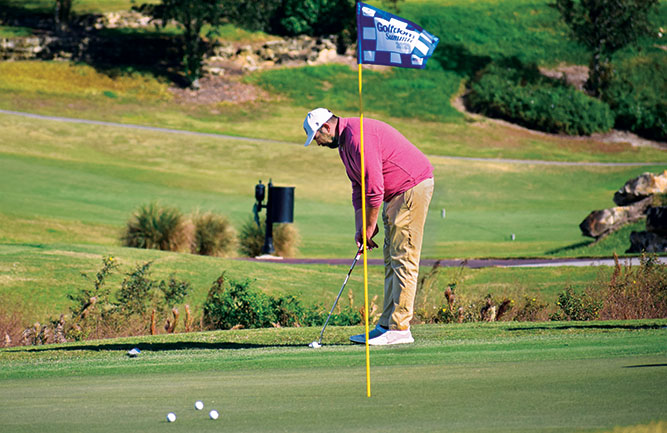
(281, 204)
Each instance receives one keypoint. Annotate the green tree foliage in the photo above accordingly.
(604, 27)
(295, 17)
(191, 16)
(254, 15)
(316, 17)
(638, 95)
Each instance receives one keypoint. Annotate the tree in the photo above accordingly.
(604, 27)
(191, 16)
(62, 14)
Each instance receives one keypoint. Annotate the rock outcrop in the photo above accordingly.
(600, 223)
(641, 187)
(636, 200)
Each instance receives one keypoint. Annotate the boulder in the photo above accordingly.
(647, 242)
(641, 187)
(656, 220)
(602, 222)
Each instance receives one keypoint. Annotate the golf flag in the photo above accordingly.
(387, 39)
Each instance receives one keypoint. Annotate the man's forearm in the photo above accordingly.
(372, 214)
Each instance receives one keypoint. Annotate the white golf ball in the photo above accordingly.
(199, 405)
(213, 414)
(315, 345)
(171, 417)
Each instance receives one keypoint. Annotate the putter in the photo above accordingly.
(317, 344)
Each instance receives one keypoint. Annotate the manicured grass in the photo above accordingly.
(98, 175)
(51, 89)
(394, 92)
(558, 377)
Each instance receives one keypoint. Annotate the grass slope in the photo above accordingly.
(65, 176)
(36, 278)
(559, 377)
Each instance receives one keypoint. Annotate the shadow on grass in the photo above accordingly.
(569, 248)
(457, 58)
(565, 327)
(158, 347)
(109, 51)
(15, 13)
(121, 50)
(645, 366)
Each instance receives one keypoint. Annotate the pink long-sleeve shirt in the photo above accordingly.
(393, 165)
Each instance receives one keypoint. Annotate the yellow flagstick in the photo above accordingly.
(363, 235)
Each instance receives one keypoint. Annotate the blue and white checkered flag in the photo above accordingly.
(387, 39)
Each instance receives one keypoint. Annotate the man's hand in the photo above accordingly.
(371, 227)
(370, 243)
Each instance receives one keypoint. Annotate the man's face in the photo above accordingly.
(326, 137)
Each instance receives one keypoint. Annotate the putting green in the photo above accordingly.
(502, 378)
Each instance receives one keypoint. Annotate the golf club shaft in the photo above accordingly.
(356, 258)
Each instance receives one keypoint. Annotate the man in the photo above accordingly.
(399, 175)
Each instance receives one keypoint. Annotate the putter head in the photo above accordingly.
(314, 345)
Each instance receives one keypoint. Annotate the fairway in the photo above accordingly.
(509, 377)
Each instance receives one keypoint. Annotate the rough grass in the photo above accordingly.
(78, 80)
(36, 278)
(78, 6)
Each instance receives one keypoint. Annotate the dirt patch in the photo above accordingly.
(574, 75)
(218, 89)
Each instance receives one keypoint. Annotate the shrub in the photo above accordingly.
(637, 95)
(635, 292)
(158, 227)
(531, 310)
(136, 290)
(575, 306)
(10, 328)
(251, 238)
(520, 94)
(95, 314)
(236, 305)
(214, 235)
(288, 311)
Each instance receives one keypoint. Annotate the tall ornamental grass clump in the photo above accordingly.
(522, 95)
(286, 238)
(214, 235)
(158, 227)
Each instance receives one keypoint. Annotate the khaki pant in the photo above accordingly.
(404, 217)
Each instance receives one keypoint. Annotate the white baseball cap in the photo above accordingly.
(314, 120)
